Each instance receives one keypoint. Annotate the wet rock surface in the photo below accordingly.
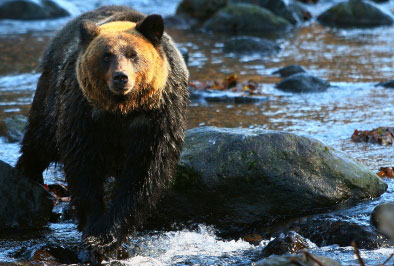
(354, 13)
(383, 219)
(24, 204)
(200, 9)
(303, 82)
(237, 178)
(246, 45)
(31, 10)
(326, 232)
(297, 260)
(13, 128)
(386, 84)
(245, 19)
(289, 242)
(56, 254)
(288, 10)
(212, 96)
(287, 71)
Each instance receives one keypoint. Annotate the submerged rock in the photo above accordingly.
(237, 178)
(354, 13)
(291, 242)
(200, 9)
(54, 254)
(386, 84)
(383, 219)
(30, 10)
(24, 204)
(13, 128)
(297, 260)
(245, 19)
(303, 82)
(250, 45)
(287, 71)
(326, 232)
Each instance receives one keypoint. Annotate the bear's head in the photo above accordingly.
(122, 66)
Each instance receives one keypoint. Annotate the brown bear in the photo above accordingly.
(110, 103)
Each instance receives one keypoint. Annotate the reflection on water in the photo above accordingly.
(353, 61)
(335, 55)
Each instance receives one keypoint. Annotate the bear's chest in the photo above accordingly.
(121, 140)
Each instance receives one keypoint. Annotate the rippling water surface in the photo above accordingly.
(352, 60)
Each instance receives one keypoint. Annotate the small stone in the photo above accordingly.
(250, 45)
(303, 82)
(386, 84)
(383, 219)
(287, 71)
(291, 242)
(326, 232)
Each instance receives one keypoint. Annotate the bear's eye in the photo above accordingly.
(131, 54)
(107, 57)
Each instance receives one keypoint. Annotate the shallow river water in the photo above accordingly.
(352, 60)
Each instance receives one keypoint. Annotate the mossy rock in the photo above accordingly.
(235, 178)
(354, 14)
(246, 19)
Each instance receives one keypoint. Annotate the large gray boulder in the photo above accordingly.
(244, 19)
(31, 10)
(237, 178)
(354, 13)
(23, 203)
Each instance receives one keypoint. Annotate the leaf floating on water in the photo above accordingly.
(253, 239)
(381, 135)
(230, 81)
(59, 191)
(386, 172)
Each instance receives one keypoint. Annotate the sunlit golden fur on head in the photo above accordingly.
(149, 72)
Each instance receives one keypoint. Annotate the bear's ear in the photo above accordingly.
(152, 27)
(87, 31)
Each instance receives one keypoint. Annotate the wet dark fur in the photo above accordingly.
(140, 149)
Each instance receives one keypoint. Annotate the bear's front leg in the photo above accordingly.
(86, 184)
(134, 196)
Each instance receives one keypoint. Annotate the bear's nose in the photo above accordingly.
(120, 78)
